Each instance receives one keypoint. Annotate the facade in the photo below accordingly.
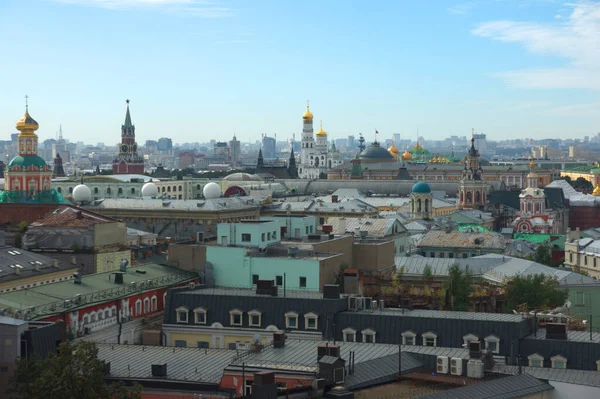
(294, 226)
(582, 253)
(456, 244)
(315, 156)
(27, 177)
(110, 186)
(128, 161)
(590, 173)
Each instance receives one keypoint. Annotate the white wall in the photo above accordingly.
(569, 391)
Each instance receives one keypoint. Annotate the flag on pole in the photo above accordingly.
(376, 132)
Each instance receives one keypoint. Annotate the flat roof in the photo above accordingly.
(183, 364)
(569, 376)
(442, 314)
(573, 336)
(226, 291)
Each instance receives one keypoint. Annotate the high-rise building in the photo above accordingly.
(128, 161)
(165, 145)
(480, 143)
(234, 150)
(269, 147)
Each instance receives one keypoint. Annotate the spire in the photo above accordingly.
(472, 150)
(261, 160)
(128, 116)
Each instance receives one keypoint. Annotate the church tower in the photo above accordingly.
(472, 188)
(308, 139)
(128, 161)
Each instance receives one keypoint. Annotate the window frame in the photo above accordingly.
(469, 338)
(409, 334)
(495, 339)
(182, 310)
(254, 313)
(246, 237)
(288, 317)
(536, 357)
(349, 331)
(146, 305)
(154, 303)
(198, 311)
(138, 307)
(369, 332)
(311, 316)
(430, 335)
(302, 282)
(232, 314)
(559, 359)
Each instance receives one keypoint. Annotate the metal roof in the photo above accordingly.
(376, 227)
(457, 239)
(227, 291)
(569, 376)
(184, 205)
(442, 314)
(415, 265)
(183, 364)
(381, 371)
(573, 336)
(517, 386)
(12, 258)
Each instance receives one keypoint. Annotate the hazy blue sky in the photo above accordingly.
(196, 69)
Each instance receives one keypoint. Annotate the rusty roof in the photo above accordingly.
(69, 217)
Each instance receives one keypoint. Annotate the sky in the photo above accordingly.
(195, 70)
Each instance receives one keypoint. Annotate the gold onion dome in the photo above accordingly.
(532, 164)
(407, 156)
(27, 125)
(393, 150)
(596, 191)
(321, 132)
(307, 115)
(417, 146)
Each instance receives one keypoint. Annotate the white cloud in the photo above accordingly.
(576, 110)
(462, 9)
(198, 8)
(575, 38)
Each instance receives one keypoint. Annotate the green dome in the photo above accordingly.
(26, 161)
(421, 188)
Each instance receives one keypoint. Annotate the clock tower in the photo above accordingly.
(128, 161)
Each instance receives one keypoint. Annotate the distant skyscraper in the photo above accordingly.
(396, 138)
(128, 161)
(269, 148)
(165, 145)
(234, 150)
(480, 143)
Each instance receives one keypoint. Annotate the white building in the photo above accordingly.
(315, 155)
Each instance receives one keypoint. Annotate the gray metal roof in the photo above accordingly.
(436, 351)
(17, 263)
(226, 291)
(517, 386)
(376, 227)
(575, 336)
(457, 239)
(381, 371)
(569, 376)
(414, 265)
(442, 314)
(185, 205)
(183, 364)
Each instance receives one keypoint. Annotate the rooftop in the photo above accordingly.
(71, 217)
(207, 205)
(376, 227)
(49, 299)
(248, 292)
(442, 314)
(569, 376)
(573, 336)
(17, 263)
(457, 239)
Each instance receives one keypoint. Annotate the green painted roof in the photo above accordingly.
(39, 300)
(466, 227)
(552, 239)
(26, 161)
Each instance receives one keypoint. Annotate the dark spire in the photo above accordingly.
(128, 116)
(292, 167)
(472, 150)
(261, 160)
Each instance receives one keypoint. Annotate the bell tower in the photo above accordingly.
(128, 161)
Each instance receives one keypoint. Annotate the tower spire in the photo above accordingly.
(128, 116)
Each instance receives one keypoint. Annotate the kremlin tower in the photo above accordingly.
(128, 161)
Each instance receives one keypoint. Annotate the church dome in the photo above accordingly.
(417, 146)
(407, 156)
(27, 125)
(307, 115)
(421, 187)
(27, 161)
(394, 151)
(596, 191)
(321, 132)
(374, 153)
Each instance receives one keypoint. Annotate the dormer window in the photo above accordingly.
(559, 362)
(408, 338)
(200, 316)
(349, 334)
(469, 338)
(254, 318)
(235, 317)
(182, 314)
(430, 339)
(536, 360)
(311, 321)
(368, 335)
(291, 320)
(492, 343)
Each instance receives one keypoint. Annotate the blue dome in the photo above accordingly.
(421, 187)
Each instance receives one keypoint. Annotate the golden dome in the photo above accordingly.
(417, 146)
(596, 191)
(308, 116)
(407, 156)
(445, 160)
(27, 125)
(393, 150)
(321, 132)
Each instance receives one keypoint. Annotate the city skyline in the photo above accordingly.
(510, 69)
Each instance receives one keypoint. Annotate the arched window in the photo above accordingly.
(426, 204)
(469, 197)
(70, 190)
(132, 190)
(169, 188)
(108, 190)
(163, 189)
(529, 207)
(477, 196)
(419, 205)
(95, 190)
(180, 188)
(120, 191)
(59, 190)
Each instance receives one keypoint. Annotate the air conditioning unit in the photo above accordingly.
(442, 365)
(456, 366)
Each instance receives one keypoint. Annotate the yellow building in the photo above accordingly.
(590, 173)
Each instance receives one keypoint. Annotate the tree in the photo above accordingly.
(75, 372)
(537, 291)
(543, 255)
(459, 286)
(427, 273)
(582, 183)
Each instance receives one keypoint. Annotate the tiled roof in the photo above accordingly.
(517, 386)
(183, 364)
(456, 239)
(71, 217)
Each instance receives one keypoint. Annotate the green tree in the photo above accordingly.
(537, 291)
(543, 255)
(459, 286)
(75, 372)
(427, 273)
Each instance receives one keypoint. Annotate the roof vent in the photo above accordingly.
(159, 370)
(293, 252)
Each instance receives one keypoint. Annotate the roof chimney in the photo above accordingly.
(79, 215)
(278, 340)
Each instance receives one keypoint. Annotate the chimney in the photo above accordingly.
(263, 386)
(79, 215)
(118, 277)
(327, 228)
(334, 198)
(279, 340)
(123, 265)
(77, 278)
(342, 224)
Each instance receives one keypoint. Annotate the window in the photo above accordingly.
(179, 343)
(254, 279)
(154, 303)
(579, 299)
(535, 360)
(279, 280)
(302, 282)
(368, 336)
(235, 317)
(430, 339)
(311, 321)
(408, 338)
(138, 307)
(492, 343)
(86, 320)
(132, 190)
(469, 338)
(559, 362)
(200, 316)
(585, 260)
(349, 334)
(281, 386)
(571, 257)
(203, 344)
(106, 314)
(182, 315)
(465, 255)
(120, 191)
(432, 255)
(146, 305)
(291, 320)
(246, 237)
(248, 387)
(114, 312)
(254, 318)
(451, 255)
(262, 237)
(274, 235)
